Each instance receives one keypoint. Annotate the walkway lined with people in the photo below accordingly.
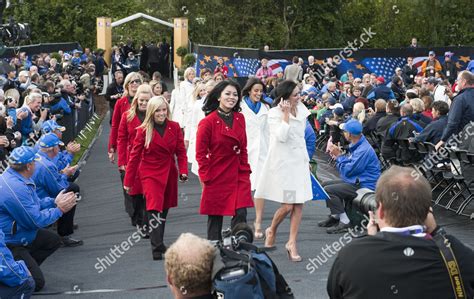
(103, 224)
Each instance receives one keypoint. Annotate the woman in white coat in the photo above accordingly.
(255, 110)
(285, 177)
(181, 98)
(197, 115)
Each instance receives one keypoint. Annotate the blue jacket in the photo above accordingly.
(12, 273)
(49, 182)
(12, 113)
(63, 105)
(460, 113)
(62, 160)
(22, 212)
(433, 131)
(381, 92)
(360, 165)
(310, 139)
(27, 124)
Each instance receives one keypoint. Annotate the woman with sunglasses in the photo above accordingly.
(131, 84)
(221, 152)
(132, 119)
(157, 149)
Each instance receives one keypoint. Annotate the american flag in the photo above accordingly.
(418, 61)
(246, 66)
(384, 66)
(277, 65)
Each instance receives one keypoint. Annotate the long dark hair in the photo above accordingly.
(248, 87)
(211, 103)
(284, 90)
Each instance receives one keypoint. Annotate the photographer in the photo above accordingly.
(403, 254)
(188, 265)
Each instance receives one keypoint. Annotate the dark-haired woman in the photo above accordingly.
(285, 177)
(221, 152)
(255, 110)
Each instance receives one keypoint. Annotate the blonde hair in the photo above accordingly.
(149, 123)
(359, 112)
(418, 105)
(189, 262)
(188, 71)
(130, 77)
(197, 90)
(153, 83)
(142, 89)
(31, 97)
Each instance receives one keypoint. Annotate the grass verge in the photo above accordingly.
(86, 136)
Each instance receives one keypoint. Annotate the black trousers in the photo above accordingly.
(34, 254)
(156, 222)
(128, 200)
(139, 216)
(339, 193)
(214, 223)
(66, 222)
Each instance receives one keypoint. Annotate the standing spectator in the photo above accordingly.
(158, 141)
(165, 51)
(285, 175)
(405, 230)
(314, 69)
(450, 70)
(264, 72)
(221, 67)
(181, 97)
(414, 43)
(132, 64)
(114, 92)
(31, 123)
(294, 71)
(438, 90)
(144, 57)
(221, 152)
(431, 66)
(397, 88)
(409, 72)
(117, 60)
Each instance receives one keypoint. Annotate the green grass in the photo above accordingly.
(86, 136)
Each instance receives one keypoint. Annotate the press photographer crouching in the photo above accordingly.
(23, 215)
(360, 168)
(405, 255)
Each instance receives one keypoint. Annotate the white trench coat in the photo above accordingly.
(256, 127)
(285, 176)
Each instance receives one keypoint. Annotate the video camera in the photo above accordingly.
(233, 238)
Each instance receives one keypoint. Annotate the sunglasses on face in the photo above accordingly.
(137, 81)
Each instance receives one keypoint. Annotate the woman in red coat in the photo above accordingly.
(157, 145)
(132, 119)
(131, 84)
(221, 152)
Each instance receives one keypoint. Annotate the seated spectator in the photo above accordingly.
(381, 91)
(402, 129)
(23, 215)
(347, 87)
(359, 169)
(188, 265)
(371, 124)
(434, 130)
(334, 122)
(348, 102)
(15, 279)
(438, 90)
(397, 88)
(402, 244)
(358, 113)
(329, 104)
(50, 182)
(428, 102)
(418, 109)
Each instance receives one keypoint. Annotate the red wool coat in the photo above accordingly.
(221, 153)
(126, 135)
(157, 166)
(122, 105)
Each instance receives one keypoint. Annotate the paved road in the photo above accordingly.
(103, 224)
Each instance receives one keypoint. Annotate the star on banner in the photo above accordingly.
(231, 65)
(351, 60)
(225, 58)
(318, 61)
(201, 62)
(360, 66)
(465, 59)
(458, 65)
(207, 58)
(216, 57)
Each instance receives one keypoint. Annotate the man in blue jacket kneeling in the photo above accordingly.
(23, 215)
(359, 168)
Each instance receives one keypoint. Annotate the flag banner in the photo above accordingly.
(318, 191)
(243, 63)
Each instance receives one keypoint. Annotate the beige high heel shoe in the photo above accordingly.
(291, 256)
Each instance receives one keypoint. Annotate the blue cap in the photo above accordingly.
(51, 126)
(23, 155)
(49, 140)
(331, 101)
(353, 127)
(338, 111)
